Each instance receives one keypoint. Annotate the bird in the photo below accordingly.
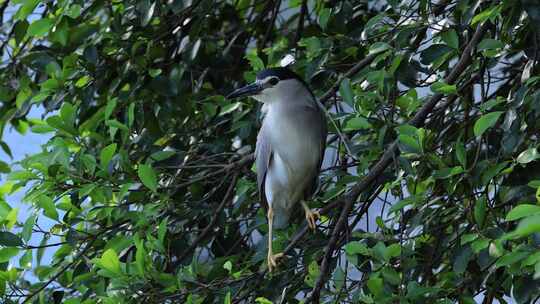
(290, 147)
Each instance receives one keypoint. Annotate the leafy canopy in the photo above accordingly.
(145, 193)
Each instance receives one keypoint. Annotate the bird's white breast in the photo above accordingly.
(292, 142)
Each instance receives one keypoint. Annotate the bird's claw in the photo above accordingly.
(311, 218)
(272, 260)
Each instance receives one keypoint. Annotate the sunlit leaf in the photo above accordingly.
(485, 122)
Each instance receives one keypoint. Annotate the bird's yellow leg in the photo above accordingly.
(272, 258)
(311, 216)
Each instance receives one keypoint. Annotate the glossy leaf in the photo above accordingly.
(148, 176)
(485, 122)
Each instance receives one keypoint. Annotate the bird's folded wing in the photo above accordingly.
(263, 157)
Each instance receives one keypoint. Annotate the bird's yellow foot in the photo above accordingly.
(311, 218)
(272, 260)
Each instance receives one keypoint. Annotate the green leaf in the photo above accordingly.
(522, 210)
(461, 259)
(256, 63)
(391, 276)
(532, 259)
(461, 154)
(140, 255)
(24, 94)
(227, 266)
(356, 123)
(411, 200)
(131, 114)
(379, 47)
(162, 155)
(154, 72)
(68, 113)
(375, 285)
(148, 176)
(324, 16)
(434, 53)
(111, 105)
(451, 38)
(106, 155)
(313, 273)
(109, 261)
(162, 230)
(9, 239)
(26, 9)
(47, 204)
(489, 44)
(61, 33)
(480, 211)
(42, 128)
(345, 90)
(409, 144)
(26, 232)
(116, 124)
(4, 167)
(89, 163)
(443, 88)
(338, 278)
(40, 27)
(313, 45)
(26, 260)
(356, 247)
(261, 300)
(526, 226)
(81, 82)
(489, 13)
(229, 108)
(479, 245)
(528, 156)
(74, 11)
(7, 253)
(485, 122)
(511, 258)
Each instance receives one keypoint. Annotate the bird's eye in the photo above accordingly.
(274, 80)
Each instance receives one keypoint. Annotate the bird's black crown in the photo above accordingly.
(281, 73)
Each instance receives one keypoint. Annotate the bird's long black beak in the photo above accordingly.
(250, 89)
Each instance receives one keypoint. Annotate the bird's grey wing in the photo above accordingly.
(319, 119)
(263, 157)
(324, 134)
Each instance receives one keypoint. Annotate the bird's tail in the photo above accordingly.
(281, 217)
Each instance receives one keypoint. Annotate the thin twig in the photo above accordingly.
(212, 223)
(300, 26)
(60, 272)
(232, 166)
(332, 91)
(271, 24)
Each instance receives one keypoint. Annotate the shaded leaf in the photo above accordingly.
(9, 239)
(148, 176)
(40, 27)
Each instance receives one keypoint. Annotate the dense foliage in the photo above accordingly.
(146, 193)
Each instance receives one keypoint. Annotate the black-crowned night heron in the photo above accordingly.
(290, 146)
